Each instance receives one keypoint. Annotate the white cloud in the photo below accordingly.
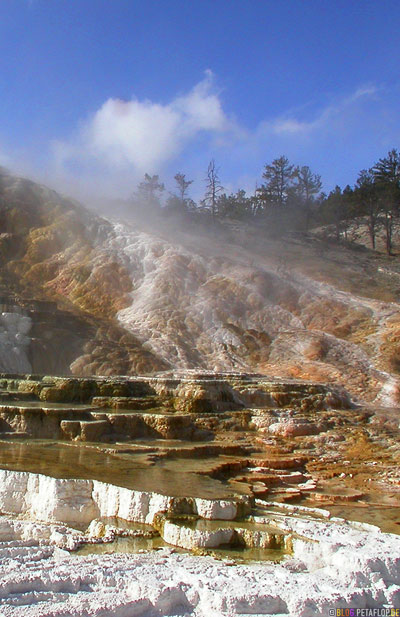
(143, 134)
(290, 125)
(362, 92)
(120, 141)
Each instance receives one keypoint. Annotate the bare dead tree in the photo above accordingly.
(213, 188)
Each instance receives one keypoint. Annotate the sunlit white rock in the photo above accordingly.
(80, 501)
(341, 566)
(186, 537)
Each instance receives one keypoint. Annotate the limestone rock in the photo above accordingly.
(293, 428)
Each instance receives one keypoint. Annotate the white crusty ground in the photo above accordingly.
(354, 569)
(335, 563)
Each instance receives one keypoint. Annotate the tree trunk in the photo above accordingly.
(389, 232)
(372, 232)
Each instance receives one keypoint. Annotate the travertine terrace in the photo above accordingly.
(233, 435)
(233, 467)
(198, 405)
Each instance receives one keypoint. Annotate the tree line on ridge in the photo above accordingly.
(289, 198)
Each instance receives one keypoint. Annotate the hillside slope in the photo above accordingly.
(150, 297)
(211, 303)
(55, 275)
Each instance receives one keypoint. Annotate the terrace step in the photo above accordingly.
(16, 395)
(127, 402)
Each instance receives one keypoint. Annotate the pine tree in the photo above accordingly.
(148, 194)
(308, 186)
(279, 177)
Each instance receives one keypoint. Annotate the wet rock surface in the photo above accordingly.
(198, 434)
(232, 468)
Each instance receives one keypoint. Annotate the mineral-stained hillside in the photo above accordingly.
(55, 273)
(131, 298)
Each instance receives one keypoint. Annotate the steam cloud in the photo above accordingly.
(143, 134)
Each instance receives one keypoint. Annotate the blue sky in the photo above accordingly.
(94, 93)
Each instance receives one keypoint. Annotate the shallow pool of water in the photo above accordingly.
(132, 470)
(387, 518)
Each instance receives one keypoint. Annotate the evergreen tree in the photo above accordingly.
(387, 170)
(279, 177)
(148, 194)
(333, 211)
(386, 175)
(235, 205)
(179, 203)
(307, 188)
(183, 186)
(366, 196)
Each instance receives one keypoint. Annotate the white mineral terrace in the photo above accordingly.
(80, 501)
(334, 563)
